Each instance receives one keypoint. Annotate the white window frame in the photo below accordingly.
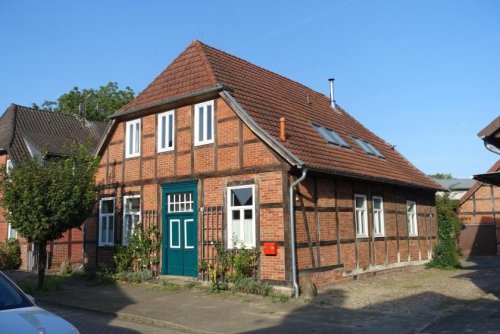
(11, 232)
(9, 166)
(101, 215)
(363, 225)
(161, 131)
(125, 233)
(230, 209)
(202, 141)
(378, 216)
(412, 219)
(133, 137)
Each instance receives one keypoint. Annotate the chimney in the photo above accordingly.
(282, 129)
(332, 97)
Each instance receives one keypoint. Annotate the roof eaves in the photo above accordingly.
(105, 138)
(260, 132)
(376, 179)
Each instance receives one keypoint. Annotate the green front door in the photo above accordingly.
(179, 242)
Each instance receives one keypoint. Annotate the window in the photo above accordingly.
(368, 147)
(9, 166)
(330, 136)
(166, 131)
(133, 139)
(11, 232)
(106, 221)
(378, 216)
(411, 213)
(361, 216)
(241, 216)
(203, 123)
(180, 202)
(131, 216)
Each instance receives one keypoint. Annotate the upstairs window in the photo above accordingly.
(368, 147)
(361, 216)
(411, 213)
(378, 216)
(166, 131)
(106, 221)
(133, 139)
(241, 216)
(204, 123)
(131, 216)
(330, 136)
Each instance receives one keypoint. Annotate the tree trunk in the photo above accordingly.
(42, 260)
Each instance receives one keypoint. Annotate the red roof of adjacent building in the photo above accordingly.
(266, 97)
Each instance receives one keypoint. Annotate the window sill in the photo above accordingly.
(132, 156)
(198, 144)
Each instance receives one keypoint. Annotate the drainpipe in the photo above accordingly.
(292, 233)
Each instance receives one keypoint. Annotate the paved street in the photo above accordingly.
(416, 301)
(96, 323)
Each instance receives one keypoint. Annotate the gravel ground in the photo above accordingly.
(423, 292)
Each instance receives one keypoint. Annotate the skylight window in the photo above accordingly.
(330, 136)
(368, 147)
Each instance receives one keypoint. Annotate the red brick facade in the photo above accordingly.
(327, 247)
(480, 211)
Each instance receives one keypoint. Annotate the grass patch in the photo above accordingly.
(169, 286)
(52, 283)
(279, 298)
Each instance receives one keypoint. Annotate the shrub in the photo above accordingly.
(10, 255)
(250, 285)
(449, 226)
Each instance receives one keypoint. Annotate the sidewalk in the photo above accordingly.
(194, 310)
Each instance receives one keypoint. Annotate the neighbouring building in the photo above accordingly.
(27, 133)
(480, 212)
(456, 187)
(218, 150)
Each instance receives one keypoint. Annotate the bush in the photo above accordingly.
(10, 255)
(250, 285)
(134, 276)
(449, 226)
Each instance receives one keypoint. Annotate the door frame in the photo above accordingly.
(170, 188)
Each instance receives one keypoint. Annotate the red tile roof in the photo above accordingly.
(267, 96)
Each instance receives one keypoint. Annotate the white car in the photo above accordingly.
(20, 315)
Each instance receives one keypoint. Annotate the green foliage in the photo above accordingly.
(46, 198)
(449, 227)
(52, 283)
(253, 286)
(230, 265)
(10, 255)
(135, 262)
(169, 286)
(140, 253)
(442, 176)
(97, 104)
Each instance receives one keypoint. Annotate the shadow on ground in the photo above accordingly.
(57, 285)
(397, 315)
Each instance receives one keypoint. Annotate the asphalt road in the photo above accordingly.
(92, 323)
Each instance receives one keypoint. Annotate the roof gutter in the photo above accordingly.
(260, 132)
(292, 233)
(489, 146)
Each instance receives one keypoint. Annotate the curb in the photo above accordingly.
(129, 317)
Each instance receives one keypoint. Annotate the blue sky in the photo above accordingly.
(423, 75)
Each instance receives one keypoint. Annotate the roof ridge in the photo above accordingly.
(54, 113)
(206, 63)
(261, 68)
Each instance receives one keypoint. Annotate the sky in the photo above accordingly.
(422, 75)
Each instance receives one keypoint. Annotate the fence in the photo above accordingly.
(212, 233)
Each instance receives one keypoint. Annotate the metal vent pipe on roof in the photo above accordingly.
(332, 97)
(282, 129)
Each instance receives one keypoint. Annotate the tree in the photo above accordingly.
(442, 176)
(449, 226)
(47, 198)
(95, 105)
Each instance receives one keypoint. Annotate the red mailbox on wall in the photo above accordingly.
(270, 248)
